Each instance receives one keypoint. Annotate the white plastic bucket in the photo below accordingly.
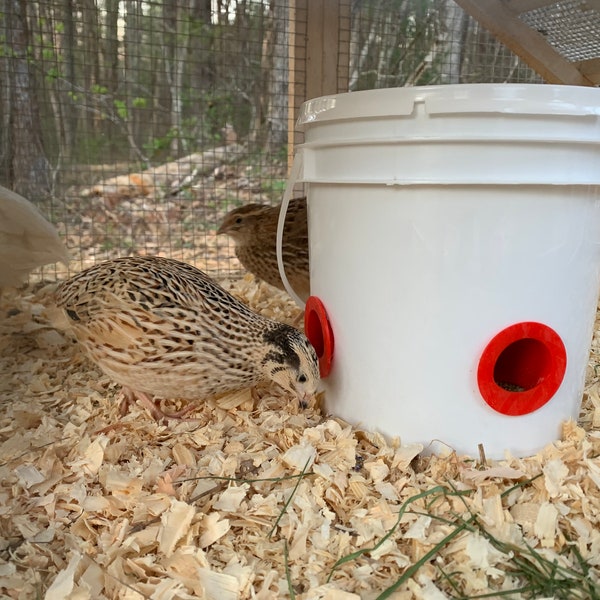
(455, 247)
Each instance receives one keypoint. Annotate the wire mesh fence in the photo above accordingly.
(136, 125)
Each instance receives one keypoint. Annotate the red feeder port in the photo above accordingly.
(318, 331)
(521, 368)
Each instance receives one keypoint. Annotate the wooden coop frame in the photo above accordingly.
(319, 51)
(319, 46)
(505, 20)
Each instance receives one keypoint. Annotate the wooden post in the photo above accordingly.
(319, 54)
(500, 17)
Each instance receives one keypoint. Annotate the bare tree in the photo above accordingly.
(90, 49)
(453, 40)
(173, 55)
(23, 152)
(201, 64)
(277, 92)
(68, 80)
(200, 44)
(111, 46)
(90, 60)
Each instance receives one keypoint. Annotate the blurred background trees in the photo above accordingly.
(145, 81)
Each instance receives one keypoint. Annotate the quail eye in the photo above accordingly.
(238, 220)
(302, 379)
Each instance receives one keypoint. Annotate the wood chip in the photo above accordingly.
(174, 525)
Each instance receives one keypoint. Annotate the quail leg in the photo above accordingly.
(153, 407)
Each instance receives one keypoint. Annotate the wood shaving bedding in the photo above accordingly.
(256, 498)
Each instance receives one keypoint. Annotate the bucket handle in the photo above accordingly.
(294, 177)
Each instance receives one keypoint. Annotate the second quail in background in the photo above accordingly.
(253, 228)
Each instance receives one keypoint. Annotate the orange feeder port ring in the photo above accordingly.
(318, 331)
(521, 368)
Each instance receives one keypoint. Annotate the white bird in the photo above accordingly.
(27, 240)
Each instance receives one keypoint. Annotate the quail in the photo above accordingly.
(253, 228)
(27, 240)
(164, 330)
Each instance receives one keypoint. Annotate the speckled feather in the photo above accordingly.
(163, 327)
(253, 227)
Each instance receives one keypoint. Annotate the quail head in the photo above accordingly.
(163, 329)
(253, 228)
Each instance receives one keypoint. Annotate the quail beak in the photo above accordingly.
(304, 400)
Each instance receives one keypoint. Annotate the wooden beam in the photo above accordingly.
(318, 57)
(531, 46)
(590, 68)
(343, 66)
(322, 41)
(297, 70)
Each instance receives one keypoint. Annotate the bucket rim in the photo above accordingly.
(454, 99)
(442, 182)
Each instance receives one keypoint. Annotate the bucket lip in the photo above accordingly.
(468, 98)
(446, 182)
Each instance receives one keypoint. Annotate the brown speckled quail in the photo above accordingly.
(253, 227)
(164, 329)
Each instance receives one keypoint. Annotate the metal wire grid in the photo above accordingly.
(571, 27)
(156, 118)
(426, 43)
(159, 124)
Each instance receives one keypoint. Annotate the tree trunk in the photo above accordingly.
(91, 61)
(360, 44)
(455, 26)
(385, 48)
(90, 49)
(132, 69)
(111, 66)
(29, 169)
(278, 78)
(111, 46)
(201, 52)
(67, 82)
(173, 65)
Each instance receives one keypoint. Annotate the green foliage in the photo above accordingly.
(121, 107)
(6, 51)
(52, 74)
(156, 146)
(538, 576)
(225, 108)
(274, 187)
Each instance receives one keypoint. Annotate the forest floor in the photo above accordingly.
(171, 210)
